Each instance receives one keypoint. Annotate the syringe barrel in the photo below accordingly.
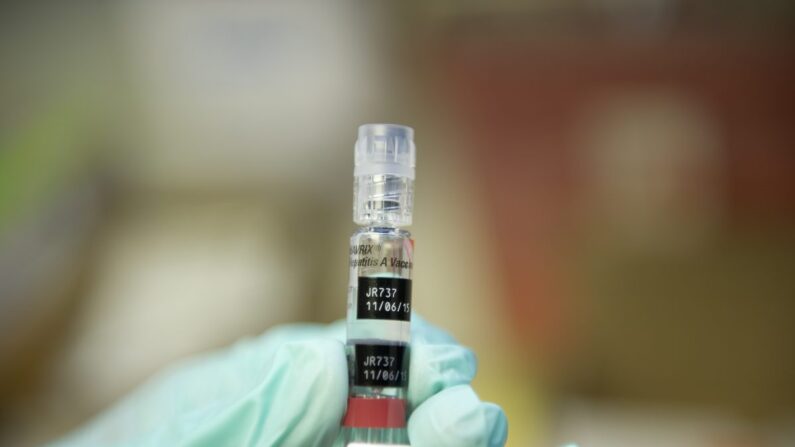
(381, 262)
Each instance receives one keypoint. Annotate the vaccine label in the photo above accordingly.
(384, 299)
(381, 365)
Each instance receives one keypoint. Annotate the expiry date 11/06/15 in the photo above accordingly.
(384, 375)
(387, 306)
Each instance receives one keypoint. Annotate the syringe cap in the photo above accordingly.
(383, 192)
(385, 149)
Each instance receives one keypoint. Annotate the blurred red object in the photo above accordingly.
(523, 102)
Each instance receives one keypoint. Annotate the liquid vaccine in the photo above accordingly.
(379, 292)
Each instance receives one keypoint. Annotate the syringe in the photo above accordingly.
(379, 292)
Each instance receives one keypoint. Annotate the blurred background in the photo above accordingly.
(605, 199)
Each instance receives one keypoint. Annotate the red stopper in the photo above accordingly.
(368, 412)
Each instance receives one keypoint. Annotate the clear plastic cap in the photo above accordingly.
(384, 175)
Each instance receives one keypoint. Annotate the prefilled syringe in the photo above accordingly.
(379, 291)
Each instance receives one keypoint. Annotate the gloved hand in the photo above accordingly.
(288, 387)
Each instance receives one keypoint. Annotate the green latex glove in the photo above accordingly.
(289, 387)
